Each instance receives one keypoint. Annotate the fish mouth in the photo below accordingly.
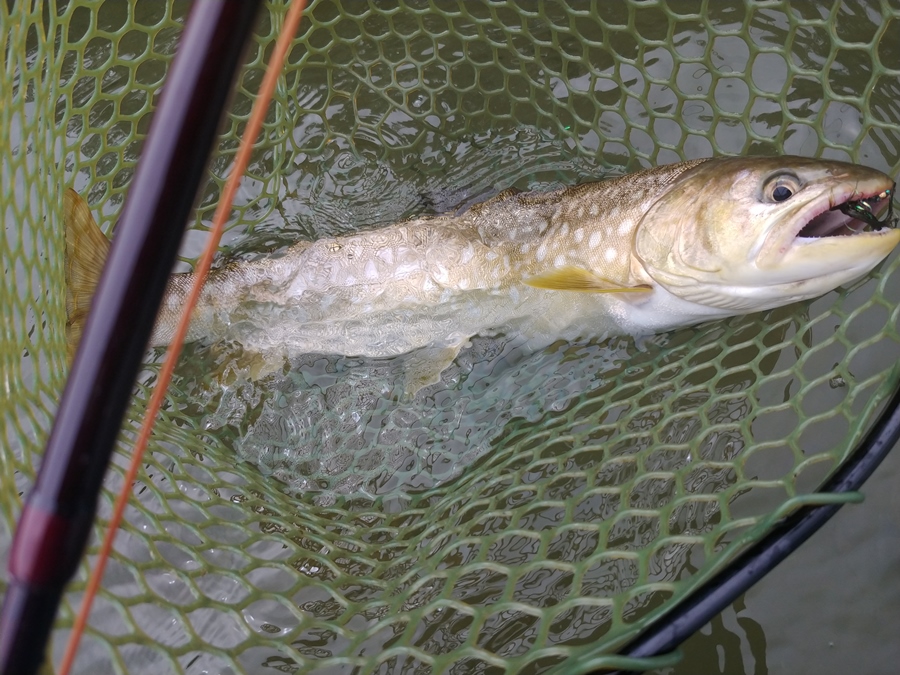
(848, 213)
(837, 237)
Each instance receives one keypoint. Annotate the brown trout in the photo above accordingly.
(643, 253)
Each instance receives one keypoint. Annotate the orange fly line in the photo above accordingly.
(223, 210)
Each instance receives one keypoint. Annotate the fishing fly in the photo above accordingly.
(862, 210)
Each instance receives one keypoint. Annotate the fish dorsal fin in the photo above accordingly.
(580, 279)
(86, 250)
(501, 196)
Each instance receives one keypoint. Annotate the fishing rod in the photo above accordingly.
(57, 516)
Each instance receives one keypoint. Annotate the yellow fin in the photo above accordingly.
(86, 250)
(579, 279)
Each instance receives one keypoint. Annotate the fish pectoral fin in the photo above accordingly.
(86, 251)
(424, 367)
(580, 279)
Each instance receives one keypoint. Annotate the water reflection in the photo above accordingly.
(731, 643)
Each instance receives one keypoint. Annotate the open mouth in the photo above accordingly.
(852, 217)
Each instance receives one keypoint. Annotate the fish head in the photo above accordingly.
(747, 234)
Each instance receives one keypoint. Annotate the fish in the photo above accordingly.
(638, 254)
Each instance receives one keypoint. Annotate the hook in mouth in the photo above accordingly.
(865, 210)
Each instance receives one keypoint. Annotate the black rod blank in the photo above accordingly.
(58, 513)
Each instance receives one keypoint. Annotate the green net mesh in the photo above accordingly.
(531, 510)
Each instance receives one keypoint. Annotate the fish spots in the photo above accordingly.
(541, 252)
(564, 230)
(560, 261)
(611, 254)
(595, 210)
(407, 269)
(594, 241)
(525, 248)
(371, 270)
(624, 229)
(386, 254)
(579, 235)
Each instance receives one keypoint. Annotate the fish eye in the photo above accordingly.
(781, 192)
(781, 187)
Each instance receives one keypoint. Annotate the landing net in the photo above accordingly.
(531, 510)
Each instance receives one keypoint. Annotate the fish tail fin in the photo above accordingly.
(86, 251)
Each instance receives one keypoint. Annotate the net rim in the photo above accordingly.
(787, 536)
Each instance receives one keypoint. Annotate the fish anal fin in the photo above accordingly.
(86, 251)
(424, 366)
(580, 279)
